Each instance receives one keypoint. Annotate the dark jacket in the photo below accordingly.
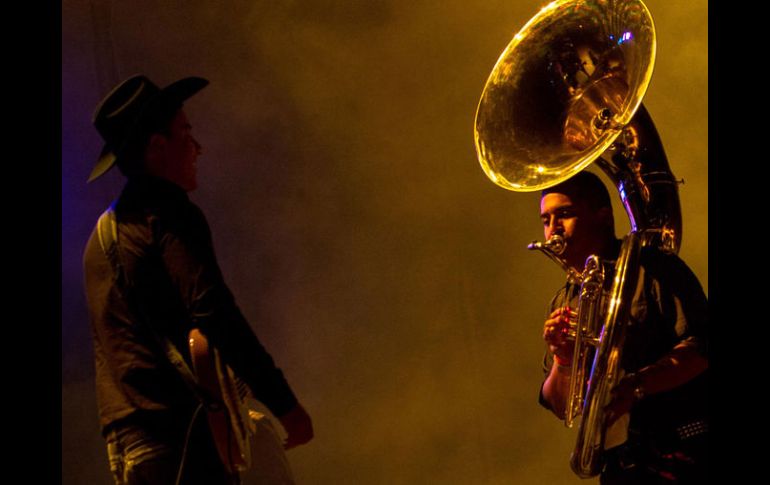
(175, 285)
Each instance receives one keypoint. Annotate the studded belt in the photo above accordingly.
(689, 430)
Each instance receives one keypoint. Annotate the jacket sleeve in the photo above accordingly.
(681, 295)
(185, 246)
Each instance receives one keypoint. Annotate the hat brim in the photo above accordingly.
(176, 92)
(106, 161)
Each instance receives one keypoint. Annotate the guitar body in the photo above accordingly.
(230, 423)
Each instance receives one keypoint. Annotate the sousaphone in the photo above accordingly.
(565, 93)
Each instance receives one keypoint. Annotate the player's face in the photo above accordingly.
(181, 152)
(581, 227)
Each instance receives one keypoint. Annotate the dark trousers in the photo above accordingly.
(158, 452)
(644, 463)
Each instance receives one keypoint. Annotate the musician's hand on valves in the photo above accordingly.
(555, 334)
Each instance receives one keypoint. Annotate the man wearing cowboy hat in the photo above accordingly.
(151, 276)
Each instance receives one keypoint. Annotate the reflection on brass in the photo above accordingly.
(591, 113)
(538, 121)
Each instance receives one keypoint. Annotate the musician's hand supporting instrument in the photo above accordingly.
(674, 369)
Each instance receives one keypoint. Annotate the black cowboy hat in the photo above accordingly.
(128, 107)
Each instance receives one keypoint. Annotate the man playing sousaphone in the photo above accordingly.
(665, 355)
(628, 334)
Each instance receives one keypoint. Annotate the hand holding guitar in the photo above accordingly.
(298, 427)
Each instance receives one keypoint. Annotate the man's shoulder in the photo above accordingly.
(655, 258)
(136, 203)
(668, 268)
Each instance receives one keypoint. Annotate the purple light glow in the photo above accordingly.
(625, 37)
